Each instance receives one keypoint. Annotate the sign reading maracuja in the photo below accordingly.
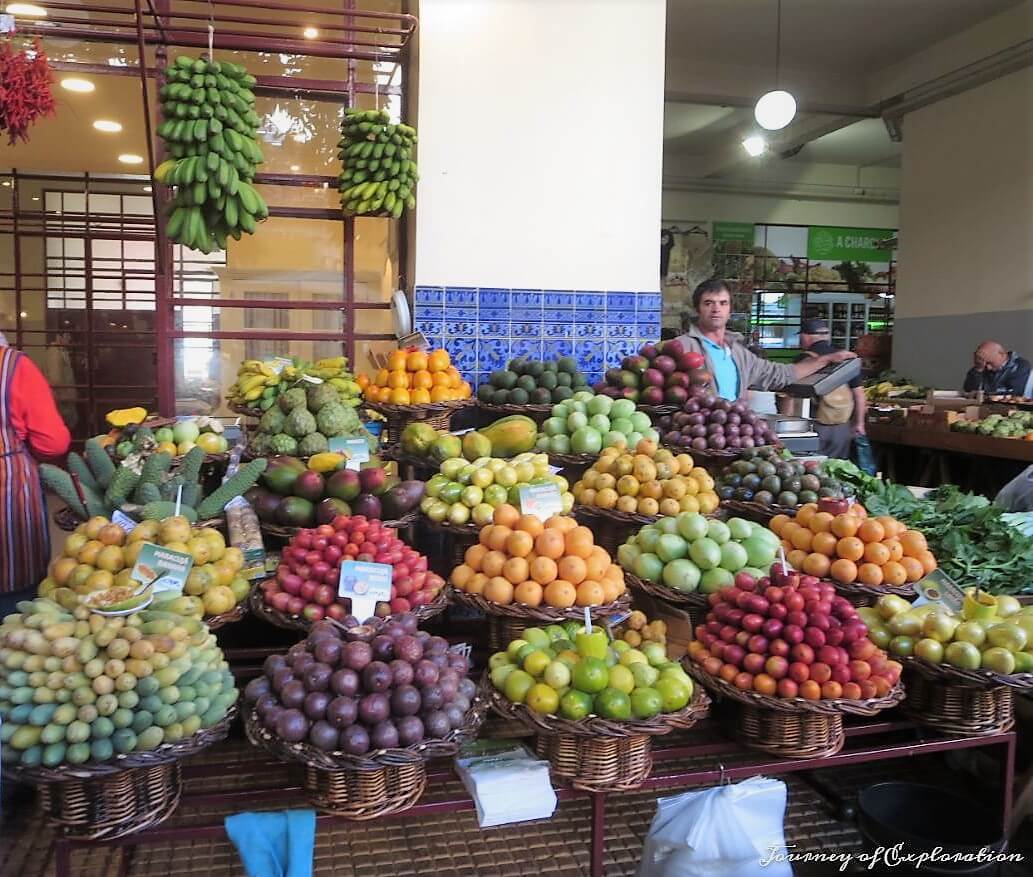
(829, 243)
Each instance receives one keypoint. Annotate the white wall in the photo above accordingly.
(540, 143)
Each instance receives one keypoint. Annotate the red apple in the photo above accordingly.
(778, 610)
(792, 634)
(841, 674)
(803, 653)
(776, 667)
(280, 601)
(752, 622)
(753, 663)
(308, 590)
(814, 637)
(799, 672)
(295, 605)
(787, 688)
(312, 612)
(758, 644)
(778, 647)
(325, 595)
(774, 594)
(821, 673)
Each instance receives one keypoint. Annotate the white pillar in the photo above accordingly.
(538, 217)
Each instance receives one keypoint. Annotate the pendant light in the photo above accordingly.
(777, 108)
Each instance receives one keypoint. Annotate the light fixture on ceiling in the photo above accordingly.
(777, 108)
(148, 189)
(130, 158)
(6, 183)
(295, 168)
(35, 197)
(754, 145)
(107, 126)
(82, 86)
(30, 10)
(310, 33)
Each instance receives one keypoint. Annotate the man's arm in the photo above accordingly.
(1019, 379)
(817, 363)
(860, 409)
(973, 380)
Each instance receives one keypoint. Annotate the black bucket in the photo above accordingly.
(922, 818)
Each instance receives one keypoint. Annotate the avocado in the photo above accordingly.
(550, 365)
(548, 380)
(561, 393)
(580, 380)
(541, 396)
(518, 396)
(563, 379)
(485, 392)
(527, 383)
(517, 364)
(504, 380)
(566, 364)
(500, 397)
(535, 368)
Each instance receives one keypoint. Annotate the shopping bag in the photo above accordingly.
(1017, 494)
(724, 831)
(863, 456)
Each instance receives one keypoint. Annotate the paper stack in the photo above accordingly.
(505, 780)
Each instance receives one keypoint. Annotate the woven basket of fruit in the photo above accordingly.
(539, 614)
(760, 512)
(692, 602)
(214, 622)
(538, 413)
(283, 532)
(364, 716)
(596, 734)
(435, 414)
(762, 479)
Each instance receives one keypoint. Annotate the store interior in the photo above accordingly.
(431, 318)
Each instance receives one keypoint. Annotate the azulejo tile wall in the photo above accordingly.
(483, 328)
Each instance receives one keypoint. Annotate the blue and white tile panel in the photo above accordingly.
(483, 328)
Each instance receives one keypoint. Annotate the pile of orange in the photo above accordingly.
(519, 559)
(416, 377)
(852, 548)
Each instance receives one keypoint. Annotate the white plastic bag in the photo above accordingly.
(723, 831)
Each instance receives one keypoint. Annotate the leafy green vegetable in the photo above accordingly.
(877, 496)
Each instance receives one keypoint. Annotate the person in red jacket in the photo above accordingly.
(31, 429)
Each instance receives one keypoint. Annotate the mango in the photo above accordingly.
(476, 445)
(447, 447)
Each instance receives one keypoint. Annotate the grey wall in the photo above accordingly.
(937, 351)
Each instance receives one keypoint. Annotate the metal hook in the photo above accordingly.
(723, 780)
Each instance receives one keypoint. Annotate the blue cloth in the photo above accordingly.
(726, 375)
(278, 844)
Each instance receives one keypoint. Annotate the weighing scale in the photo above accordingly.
(825, 380)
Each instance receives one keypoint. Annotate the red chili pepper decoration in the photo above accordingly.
(24, 90)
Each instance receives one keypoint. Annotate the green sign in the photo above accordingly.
(734, 232)
(165, 569)
(829, 243)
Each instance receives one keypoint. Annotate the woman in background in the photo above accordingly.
(31, 428)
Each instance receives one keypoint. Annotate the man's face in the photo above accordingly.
(714, 309)
(990, 358)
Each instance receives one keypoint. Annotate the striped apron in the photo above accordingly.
(24, 537)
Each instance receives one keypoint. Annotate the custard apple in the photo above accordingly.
(320, 395)
(271, 422)
(299, 423)
(333, 419)
(293, 398)
(313, 443)
(283, 444)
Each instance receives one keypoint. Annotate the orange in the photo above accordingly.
(454, 378)
(869, 574)
(492, 563)
(519, 544)
(461, 575)
(563, 523)
(439, 379)
(871, 531)
(422, 380)
(560, 594)
(850, 548)
(420, 397)
(549, 543)
(810, 690)
(515, 570)
(362, 380)
(485, 535)
(416, 361)
(845, 525)
(474, 556)
(788, 528)
(579, 542)
(400, 397)
(590, 593)
(893, 573)
(816, 564)
(778, 522)
(498, 536)
(597, 563)
(764, 684)
(788, 546)
(831, 690)
(464, 390)
(543, 570)
(928, 561)
(913, 542)
(529, 593)
(438, 360)
(821, 522)
(529, 524)
(857, 509)
(611, 591)
(844, 570)
(477, 583)
(396, 360)
(381, 377)
(796, 558)
(802, 538)
(912, 567)
(573, 569)
(824, 543)
(398, 379)
(384, 395)
(498, 590)
(896, 549)
(439, 394)
(805, 513)
(892, 526)
(614, 574)
(506, 514)
(877, 553)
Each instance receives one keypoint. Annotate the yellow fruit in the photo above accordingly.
(218, 600)
(224, 572)
(94, 525)
(74, 544)
(145, 531)
(77, 580)
(241, 587)
(61, 569)
(99, 580)
(235, 557)
(131, 552)
(110, 558)
(175, 529)
(198, 582)
(88, 553)
(166, 448)
(111, 534)
(200, 549)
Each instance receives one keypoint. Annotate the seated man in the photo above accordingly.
(997, 371)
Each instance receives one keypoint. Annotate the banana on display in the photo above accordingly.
(378, 174)
(209, 124)
(259, 385)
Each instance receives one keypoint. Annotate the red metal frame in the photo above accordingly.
(878, 740)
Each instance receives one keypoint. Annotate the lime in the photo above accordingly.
(499, 659)
(557, 674)
(632, 656)
(675, 693)
(575, 705)
(622, 679)
(644, 675)
(646, 702)
(612, 703)
(537, 637)
(542, 698)
(513, 649)
(526, 650)
(590, 675)
(535, 663)
(555, 632)
(516, 686)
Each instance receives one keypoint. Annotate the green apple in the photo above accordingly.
(999, 659)
(939, 626)
(500, 674)
(905, 624)
(644, 675)
(1007, 605)
(902, 646)
(513, 649)
(1023, 662)
(499, 659)
(930, 650)
(889, 605)
(655, 653)
(633, 656)
(537, 637)
(516, 685)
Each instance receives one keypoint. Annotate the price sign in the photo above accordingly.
(416, 340)
(162, 568)
(124, 521)
(938, 587)
(541, 500)
(356, 448)
(365, 584)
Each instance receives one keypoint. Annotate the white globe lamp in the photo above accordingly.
(775, 110)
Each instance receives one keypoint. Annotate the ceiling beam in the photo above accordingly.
(718, 100)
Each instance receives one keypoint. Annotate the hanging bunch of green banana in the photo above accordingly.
(209, 128)
(378, 175)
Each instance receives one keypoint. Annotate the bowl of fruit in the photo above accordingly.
(580, 428)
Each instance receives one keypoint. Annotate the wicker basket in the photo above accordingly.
(435, 414)
(756, 511)
(611, 527)
(866, 595)
(214, 622)
(281, 531)
(972, 703)
(539, 413)
(659, 410)
(423, 467)
(458, 537)
(695, 604)
(366, 786)
(792, 727)
(111, 799)
(246, 411)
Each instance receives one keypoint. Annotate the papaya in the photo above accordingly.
(511, 435)
(476, 445)
(126, 416)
